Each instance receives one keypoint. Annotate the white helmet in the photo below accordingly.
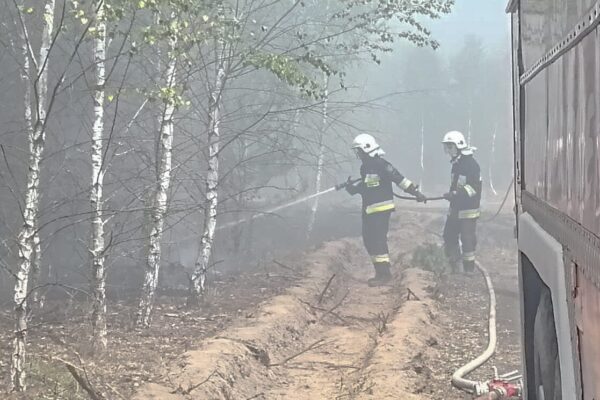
(368, 144)
(457, 138)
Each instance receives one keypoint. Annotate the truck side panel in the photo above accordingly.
(546, 255)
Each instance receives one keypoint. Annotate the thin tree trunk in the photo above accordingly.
(241, 203)
(491, 161)
(320, 159)
(26, 244)
(159, 203)
(470, 123)
(36, 267)
(97, 249)
(28, 115)
(198, 280)
(422, 151)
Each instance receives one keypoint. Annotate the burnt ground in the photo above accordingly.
(356, 342)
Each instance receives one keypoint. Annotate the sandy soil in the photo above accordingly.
(307, 327)
(318, 341)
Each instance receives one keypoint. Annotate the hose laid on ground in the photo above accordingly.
(458, 378)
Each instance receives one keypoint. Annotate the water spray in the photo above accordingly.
(277, 208)
(304, 199)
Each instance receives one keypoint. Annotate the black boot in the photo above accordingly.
(455, 266)
(469, 266)
(382, 275)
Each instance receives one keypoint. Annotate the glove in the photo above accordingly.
(349, 186)
(344, 185)
(449, 196)
(421, 198)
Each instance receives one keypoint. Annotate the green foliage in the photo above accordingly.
(287, 69)
(430, 257)
(377, 24)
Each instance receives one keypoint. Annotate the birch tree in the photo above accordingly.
(198, 279)
(492, 160)
(320, 156)
(422, 158)
(27, 240)
(97, 249)
(159, 202)
(28, 118)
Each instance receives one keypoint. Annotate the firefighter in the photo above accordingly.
(375, 187)
(460, 231)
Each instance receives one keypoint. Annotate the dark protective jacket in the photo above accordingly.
(466, 184)
(375, 187)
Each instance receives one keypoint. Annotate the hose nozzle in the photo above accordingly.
(349, 182)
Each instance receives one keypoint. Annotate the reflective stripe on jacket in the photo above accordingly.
(378, 177)
(466, 182)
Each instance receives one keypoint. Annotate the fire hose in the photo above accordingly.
(351, 181)
(500, 387)
(458, 378)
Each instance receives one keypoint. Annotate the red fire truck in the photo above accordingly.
(556, 88)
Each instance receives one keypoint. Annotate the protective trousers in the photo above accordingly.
(461, 233)
(374, 232)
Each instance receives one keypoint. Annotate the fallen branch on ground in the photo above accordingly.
(381, 322)
(191, 388)
(338, 316)
(313, 346)
(335, 306)
(411, 293)
(83, 381)
(286, 267)
(256, 396)
(325, 289)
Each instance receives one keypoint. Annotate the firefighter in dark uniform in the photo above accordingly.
(375, 187)
(460, 232)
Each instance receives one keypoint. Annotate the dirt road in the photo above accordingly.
(332, 337)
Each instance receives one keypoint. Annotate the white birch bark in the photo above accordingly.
(26, 244)
(28, 116)
(469, 128)
(422, 151)
(36, 265)
(159, 203)
(198, 279)
(320, 159)
(491, 162)
(97, 248)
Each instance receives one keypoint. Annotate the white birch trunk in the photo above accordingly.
(491, 162)
(198, 280)
(422, 151)
(320, 159)
(159, 203)
(97, 249)
(28, 115)
(26, 243)
(36, 266)
(469, 129)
